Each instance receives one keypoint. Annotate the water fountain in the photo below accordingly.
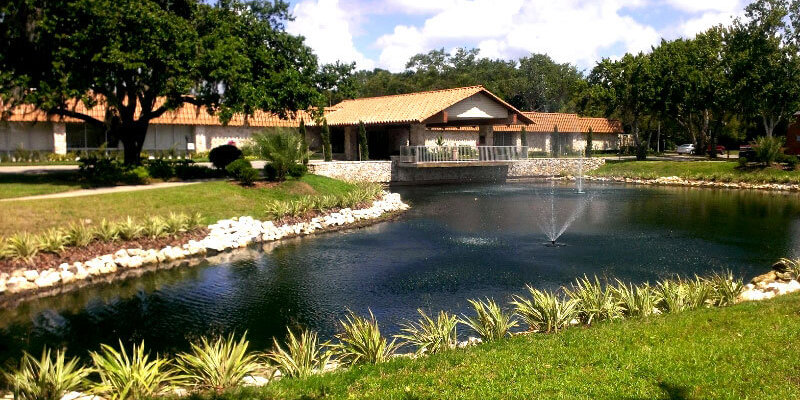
(550, 219)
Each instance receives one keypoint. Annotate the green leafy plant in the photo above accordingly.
(363, 146)
(361, 341)
(545, 311)
(277, 208)
(431, 335)
(680, 294)
(154, 227)
(131, 376)
(80, 234)
(23, 246)
(176, 223)
(129, 229)
(589, 148)
(194, 220)
(302, 356)
(53, 240)
(636, 301)
(725, 289)
(325, 135)
(48, 378)
(282, 149)
(767, 149)
(218, 364)
(242, 171)
(221, 156)
(106, 231)
(5, 252)
(491, 322)
(595, 300)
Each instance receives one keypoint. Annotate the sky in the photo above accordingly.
(386, 33)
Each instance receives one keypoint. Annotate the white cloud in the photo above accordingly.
(568, 30)
(693, 26)
(694, 6)
(327, 29)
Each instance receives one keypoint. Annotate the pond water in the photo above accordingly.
(457, 242)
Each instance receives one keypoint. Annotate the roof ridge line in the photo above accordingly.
(412, 93)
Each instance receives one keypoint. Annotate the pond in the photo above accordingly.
(457, 242)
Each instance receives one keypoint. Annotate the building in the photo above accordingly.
(469, 116)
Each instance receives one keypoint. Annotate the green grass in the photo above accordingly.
(20, 185)
(745, 351)
(214, 200)
(721, 171)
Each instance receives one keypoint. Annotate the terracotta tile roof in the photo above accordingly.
(187, 114)
(544, 122)
(404, 108)
(601, 125)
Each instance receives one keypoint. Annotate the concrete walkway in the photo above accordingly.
(90, 192)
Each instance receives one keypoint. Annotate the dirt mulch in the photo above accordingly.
(44, 261)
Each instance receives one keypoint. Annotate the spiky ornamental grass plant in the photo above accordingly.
(131, 376)
(431, 335)
(154, 228)
(361, 341)
(596, 301)
(23, 246)
(636, 301)
(129, 229)
(545, 311)
(218, 364)
(47, 378)
(491, 322)
(792, 267)
(80, 234)
(53, 240)
(681, 294)
(4, 250)
(303, 355)
(176, 223)
(277, 208)
(725, 289)
(106, 231)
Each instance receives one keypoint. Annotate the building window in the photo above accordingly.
(504, 139)
(87, 136)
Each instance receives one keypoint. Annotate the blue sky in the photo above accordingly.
(386, 33)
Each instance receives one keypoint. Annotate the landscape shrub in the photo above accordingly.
(636, 301)
(303, 354)
(160, 168)
(101, 170)
(270, 173)
(154, 227)
(136, 176)
(53, 240)
(595, 300)
(545, 311)
(131, 376)
(221, 156)
(361, 341)
(49, 378)
(491, 322)
(431, 335)
(242, 171)
(791, 161)
(297, 170)
(217, 364)
(767, 149)
(79, 234)
(23, 246)
(187, 172)
(106, 231)
(282, 149)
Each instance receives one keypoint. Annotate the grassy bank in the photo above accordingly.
(20, 185)
(214, 200)
(745, 351)
(721, 171)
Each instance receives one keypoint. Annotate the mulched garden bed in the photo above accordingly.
(44, 261)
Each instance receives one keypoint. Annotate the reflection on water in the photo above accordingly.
(457, 242)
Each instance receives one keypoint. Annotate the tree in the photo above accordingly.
(363, 148)
(326, 141)
(554, 147)
(303, 141)
(282, 149)
(142, 58)
(523, 136)
(588, 151)
(543, 85)
(336, 82)
(763, 59)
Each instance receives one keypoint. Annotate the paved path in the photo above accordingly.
(36, 169)
(90, 192)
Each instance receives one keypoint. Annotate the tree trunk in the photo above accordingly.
(769, 124)
(132, 138)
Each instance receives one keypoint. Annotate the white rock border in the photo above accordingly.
(223, 235)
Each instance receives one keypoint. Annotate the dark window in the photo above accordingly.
(81, 136)
(503, 138)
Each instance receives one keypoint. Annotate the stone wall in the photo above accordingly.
(353, 171)
(393, 171)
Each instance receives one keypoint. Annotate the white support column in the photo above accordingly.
(200, 145)
(59, 138)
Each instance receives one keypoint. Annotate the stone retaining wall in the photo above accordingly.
(393, 171)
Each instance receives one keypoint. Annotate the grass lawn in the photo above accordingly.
(20, 185)
(746, 351)
(724, 171)
(215, 200)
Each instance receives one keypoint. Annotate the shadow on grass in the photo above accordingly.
(670, 392)
(42, 178)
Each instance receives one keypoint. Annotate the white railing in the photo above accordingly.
(426, 154)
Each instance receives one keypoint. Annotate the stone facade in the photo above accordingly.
(394, 171)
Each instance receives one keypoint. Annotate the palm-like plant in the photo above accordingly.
(53, 240)
(431, 335)
(282, 149)
(23, 246)
(302, 356)
(545, 311)
(595, 300)
(80, 234)
(47, 378)
(218, 364)
(491, 322)
(134, 376)
(636, 301)
(725, 289)
(361, 341)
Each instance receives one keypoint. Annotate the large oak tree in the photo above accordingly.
(142, 58)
